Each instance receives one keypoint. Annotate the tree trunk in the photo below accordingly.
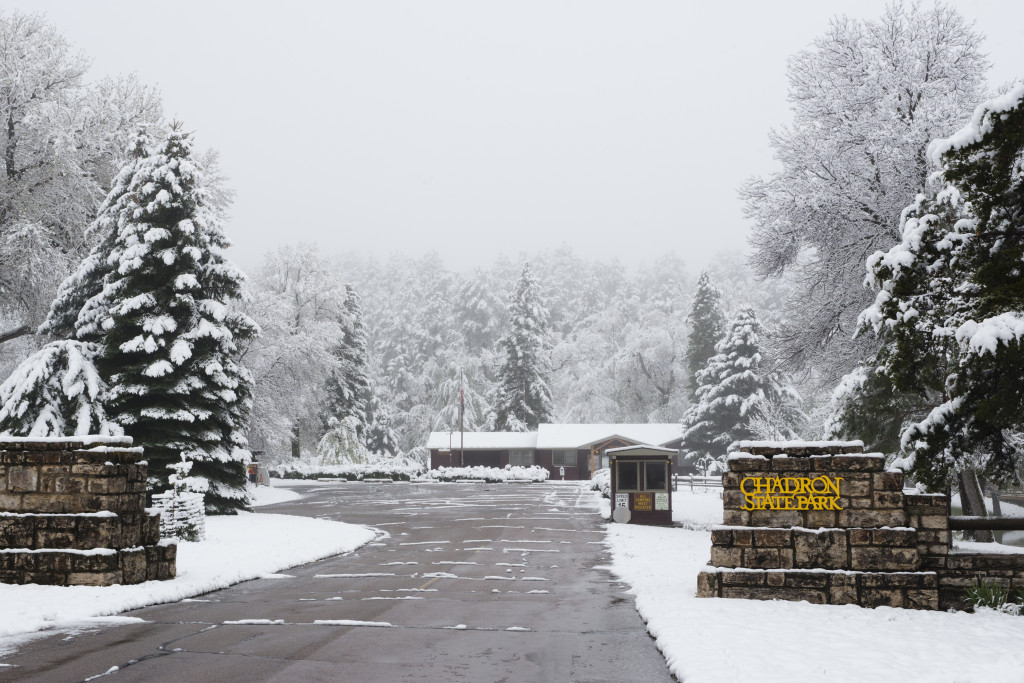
(296, 444)
(997, 509)
(15, 333)
(973, 502)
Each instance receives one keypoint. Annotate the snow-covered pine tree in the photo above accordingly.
(707, 327)
(731, 390)
(73, 313)
(523, 399)
(950, 306)
(169, 331)
(479, 313)
(380, 437)
(348, 388)
(56, 391)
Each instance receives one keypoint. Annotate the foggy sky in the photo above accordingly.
(478, 128)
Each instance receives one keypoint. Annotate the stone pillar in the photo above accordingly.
(72, 512)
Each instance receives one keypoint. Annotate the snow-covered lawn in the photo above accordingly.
(719, 640)
(237, 548)
(268, 495)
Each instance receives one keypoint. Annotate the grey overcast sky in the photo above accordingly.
(479, 128)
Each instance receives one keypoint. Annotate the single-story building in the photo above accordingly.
(579, 448)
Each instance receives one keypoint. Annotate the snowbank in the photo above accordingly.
(489, 474)
(229, 555)
(717, 640)
(269, 495)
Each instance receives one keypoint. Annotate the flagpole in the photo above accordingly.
(462, 420)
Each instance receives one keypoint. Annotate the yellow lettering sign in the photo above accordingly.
(791, 493)
(643, 502)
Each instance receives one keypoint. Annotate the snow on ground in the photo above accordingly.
(237, 548)
(268, 495)
(721, 640)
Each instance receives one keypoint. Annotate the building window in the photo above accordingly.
(520, 457)
(655, 476)
(563, 458)
(628, 478)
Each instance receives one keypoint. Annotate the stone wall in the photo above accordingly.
(72, 512)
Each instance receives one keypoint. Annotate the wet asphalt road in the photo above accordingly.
(466, 582)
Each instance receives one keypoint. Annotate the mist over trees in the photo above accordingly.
(115, 287)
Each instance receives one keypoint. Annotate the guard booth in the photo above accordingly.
(641, 484)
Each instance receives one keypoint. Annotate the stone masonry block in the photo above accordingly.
(733, 499)
(742, 537)
(880, 559)
(749, 464)
(761, 558)
(721, 536)
(824, 550)
(872, 518)
(773, 537)
(858, 463)
(22, 479)
(726, 557)
(855, 485)
(887, 481)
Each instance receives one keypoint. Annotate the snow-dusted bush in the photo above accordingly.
(602, 481)
(489, 474)
(396, 469)
(55, 392)
(182, 511)
(341, 444)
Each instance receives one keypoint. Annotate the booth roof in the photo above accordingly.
(582, 435)
(640, 447)
(482, 441)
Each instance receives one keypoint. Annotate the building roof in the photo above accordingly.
(582, 435)
(482, 441)
(550, 436)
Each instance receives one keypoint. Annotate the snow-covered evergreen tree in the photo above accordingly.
(57, 391)
(523, 399)
(707, 327)
(348, 387)
(169, 331)
(732, 390)
(950, 305)
(73, 313)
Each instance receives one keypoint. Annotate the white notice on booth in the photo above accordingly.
(622, 500)
(661, 501)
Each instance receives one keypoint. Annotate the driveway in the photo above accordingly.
(465, 582)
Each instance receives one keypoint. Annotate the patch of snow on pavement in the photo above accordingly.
(238, 548)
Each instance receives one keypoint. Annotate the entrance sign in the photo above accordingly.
(790, 493)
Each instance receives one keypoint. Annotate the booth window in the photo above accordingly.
(628, 476)
(655, 477)
(520, 457)
(563, 458)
